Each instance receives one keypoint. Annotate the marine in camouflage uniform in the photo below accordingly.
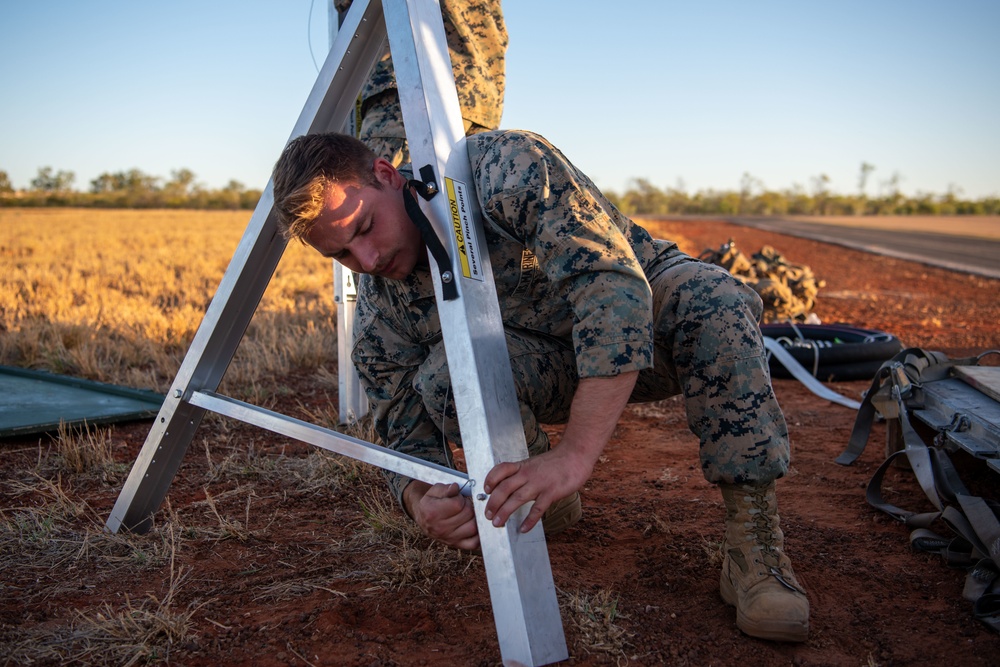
(477, 42)
(586, 296)
(584, 292)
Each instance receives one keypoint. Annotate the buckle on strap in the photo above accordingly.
(427, 187)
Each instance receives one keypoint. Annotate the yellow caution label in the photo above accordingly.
(469, 257)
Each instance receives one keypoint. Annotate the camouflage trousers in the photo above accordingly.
(382, 128)
(708, 347)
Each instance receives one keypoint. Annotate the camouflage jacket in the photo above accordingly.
(567, 264)
(477, 41)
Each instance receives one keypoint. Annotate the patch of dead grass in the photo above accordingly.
(143, 631)
(86, 450)
(117, 295)
(593, 619)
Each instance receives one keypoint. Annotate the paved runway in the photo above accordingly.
(977, 255)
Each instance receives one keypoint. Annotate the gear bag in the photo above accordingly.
(932, 411)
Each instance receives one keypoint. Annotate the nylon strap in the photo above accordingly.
(803, 376)
(449, 290)
(975, 546)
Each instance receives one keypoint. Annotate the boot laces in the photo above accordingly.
(764, 535)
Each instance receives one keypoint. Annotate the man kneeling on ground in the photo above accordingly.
(596, 314)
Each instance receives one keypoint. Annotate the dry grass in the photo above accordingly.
(53, 548)
(53, 544)
(420, 565)
(59, 500)
(594, 618)
(85, 450)
(127, 634)
(116, 296)
(54, 526)
(713, 552)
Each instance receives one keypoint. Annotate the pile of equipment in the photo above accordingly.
(788, 290)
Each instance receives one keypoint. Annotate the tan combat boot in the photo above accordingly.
(562, 514)
(757, 577)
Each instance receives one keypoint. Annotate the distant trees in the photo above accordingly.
(46, 181)
(134, 188)
(132, 180)
(181, 185)
(866, 171)
(127, 189)
(644, 198)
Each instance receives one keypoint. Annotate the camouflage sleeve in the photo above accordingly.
(528, 186)
(387, 361)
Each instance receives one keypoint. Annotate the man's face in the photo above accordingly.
(366, 228)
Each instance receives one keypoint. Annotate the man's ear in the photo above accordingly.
(386, 174)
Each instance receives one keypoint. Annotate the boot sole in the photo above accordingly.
(773, 630)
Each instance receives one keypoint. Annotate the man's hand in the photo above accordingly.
(546, 478)
(442, 513)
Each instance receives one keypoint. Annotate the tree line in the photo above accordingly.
(127, 189)
(644, 198)
(135, 189)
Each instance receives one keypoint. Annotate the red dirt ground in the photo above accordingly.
(649, 524)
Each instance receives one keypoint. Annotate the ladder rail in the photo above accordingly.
(522, 591)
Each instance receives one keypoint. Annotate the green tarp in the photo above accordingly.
(37, 402)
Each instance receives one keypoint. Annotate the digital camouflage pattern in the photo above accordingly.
(584, 292)
(477, 42)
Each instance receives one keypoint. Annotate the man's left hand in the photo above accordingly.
(597, 405)
(543, 479)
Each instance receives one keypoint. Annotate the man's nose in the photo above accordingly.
(367, 257)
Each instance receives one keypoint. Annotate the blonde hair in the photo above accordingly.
(307, 168)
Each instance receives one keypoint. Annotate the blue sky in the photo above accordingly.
(684, 94)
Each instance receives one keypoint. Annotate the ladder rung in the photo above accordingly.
(330, 440)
